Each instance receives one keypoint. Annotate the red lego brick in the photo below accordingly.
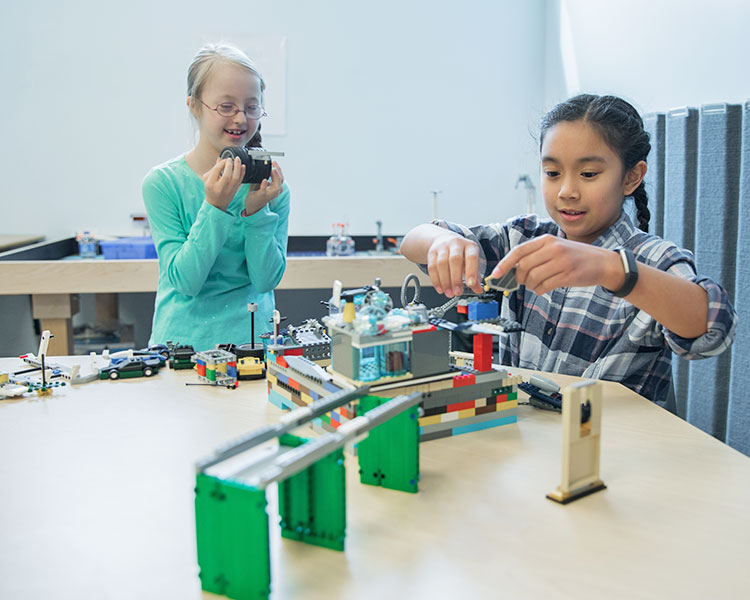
(482, 352)
(461, 405)
(280, 361)
(464, 379)
(293, 352)
(425, 330)
(462, 309)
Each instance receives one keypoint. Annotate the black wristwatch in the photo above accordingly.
(631, 272)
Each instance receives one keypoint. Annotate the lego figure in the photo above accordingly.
(581, 440)
(220, 242)
(596, 295)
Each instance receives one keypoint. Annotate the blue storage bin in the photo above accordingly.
(131, 247)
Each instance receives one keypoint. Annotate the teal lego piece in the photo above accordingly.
(389, 456)
(312, 503)
(232, 536)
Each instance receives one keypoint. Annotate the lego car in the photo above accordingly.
(250, 367)
(137, 366)
(181, 355)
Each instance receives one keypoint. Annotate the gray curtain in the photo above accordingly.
(699, 186)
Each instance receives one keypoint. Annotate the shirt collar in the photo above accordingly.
(618, 233)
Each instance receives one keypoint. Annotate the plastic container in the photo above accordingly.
(130, 247)
(87, 245)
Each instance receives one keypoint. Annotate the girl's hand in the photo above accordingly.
(222, 182)
(550, 262)
(260, 195)
(450, 259)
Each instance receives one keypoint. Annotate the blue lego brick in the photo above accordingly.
(331, 387)
(276, 399)
(483, 310)
(282, 378)
(485, 425)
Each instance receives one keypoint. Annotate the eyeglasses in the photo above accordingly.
(229, 109)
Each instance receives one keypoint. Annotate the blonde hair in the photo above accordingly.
(202, 64)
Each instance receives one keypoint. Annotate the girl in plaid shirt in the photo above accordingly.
(599, 297)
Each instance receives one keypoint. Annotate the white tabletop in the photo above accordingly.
(96, 501)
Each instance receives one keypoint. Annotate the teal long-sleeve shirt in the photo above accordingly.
(211, 263)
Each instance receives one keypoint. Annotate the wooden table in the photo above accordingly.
(9, 241)
(96, 490)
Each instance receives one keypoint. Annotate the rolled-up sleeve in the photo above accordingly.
(720, 325)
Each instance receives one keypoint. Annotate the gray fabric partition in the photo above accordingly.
(655, 124)
(680, 175)
(715, 247)
(703, 202)
(738, 413)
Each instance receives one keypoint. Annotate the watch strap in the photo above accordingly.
(631, 272)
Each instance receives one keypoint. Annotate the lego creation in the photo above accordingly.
(180, 356)
(216, 367)
(232, 527)
(401, 351)
(250, 367)
(581, 441)
(43, 385)
(131, 366)
(392, 382)
(257, 161)
(543, 393)
(507, 283)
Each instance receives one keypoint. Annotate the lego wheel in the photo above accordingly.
(114, 375)
(148, 371)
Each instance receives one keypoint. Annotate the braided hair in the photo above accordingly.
(622, 129)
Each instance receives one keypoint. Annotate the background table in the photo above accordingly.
(54, 283)
(96, 501)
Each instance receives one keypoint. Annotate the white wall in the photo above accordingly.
(385, 101)
(657, 54)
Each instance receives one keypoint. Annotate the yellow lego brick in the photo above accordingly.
(466, 413)
(507, 405)
(432, 420)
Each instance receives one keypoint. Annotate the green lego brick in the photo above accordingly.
(389, 456)
(312, 503)
(502, 390)
(232, 536)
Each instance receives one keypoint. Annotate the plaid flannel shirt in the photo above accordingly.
(589, 332)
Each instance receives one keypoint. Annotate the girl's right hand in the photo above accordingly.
(222, 182)
(451, 259)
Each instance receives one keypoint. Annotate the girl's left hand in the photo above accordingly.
(260, 195)
(550, 262)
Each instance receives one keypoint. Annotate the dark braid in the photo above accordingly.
(621, 127)
(641, 206)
